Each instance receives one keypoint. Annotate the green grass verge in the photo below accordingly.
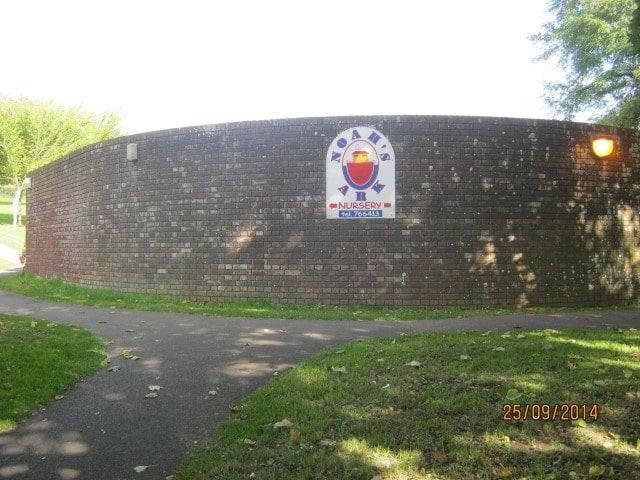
(57, 291)
(13, 237)
(365, 411)
(9, 236)
(39, 360)
(4, 265)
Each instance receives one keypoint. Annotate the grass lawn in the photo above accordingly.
(442, 406)
(55, 290)
(39, 360)
(9, 236)
(4, 265)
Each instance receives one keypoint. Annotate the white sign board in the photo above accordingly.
(361, 175)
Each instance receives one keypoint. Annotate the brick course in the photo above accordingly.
(490, 211)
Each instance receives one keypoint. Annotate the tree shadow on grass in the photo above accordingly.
(366, 412)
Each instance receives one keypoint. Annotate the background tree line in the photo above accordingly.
(596, 44)
(35, 133)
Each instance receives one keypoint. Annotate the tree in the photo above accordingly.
(634, 34)
(33, 134)
(592, 42)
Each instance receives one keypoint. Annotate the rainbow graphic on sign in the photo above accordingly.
(360, 170)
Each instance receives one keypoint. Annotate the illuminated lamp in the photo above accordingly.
(602, 146)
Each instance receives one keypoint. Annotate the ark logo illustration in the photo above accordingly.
(361, 175)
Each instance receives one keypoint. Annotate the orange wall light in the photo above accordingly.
(602, 146)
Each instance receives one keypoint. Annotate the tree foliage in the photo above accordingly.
(33, 134)
(634, 34)
(592, 42)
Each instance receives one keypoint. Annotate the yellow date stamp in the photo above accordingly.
(549, 412)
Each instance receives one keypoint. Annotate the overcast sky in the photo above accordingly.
(168, 64)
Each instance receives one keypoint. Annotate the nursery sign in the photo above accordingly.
(361, 175)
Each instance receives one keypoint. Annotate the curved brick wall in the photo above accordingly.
(489, 211)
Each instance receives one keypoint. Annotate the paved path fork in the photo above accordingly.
(105, 427)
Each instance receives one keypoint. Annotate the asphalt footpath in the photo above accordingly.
(105, 427)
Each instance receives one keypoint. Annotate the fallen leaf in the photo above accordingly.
(549, 331)
(513, 394)
(327, 443)
(571, 366)
(596, 470)
(126, 352)
(34, 324)
(499, 349)
(129, 330)
(115, 368)
(580, 423)
(521, 336)
(285, 423)
(414, 364)
(110, 342)
(339, 369)
(248, 441)
(506, 335)
(486, 334)
(151, 395)
(294, 435)
(465, 358)
(134, 357)
(438, 456)
(154, 388)
(627, 373)
(141, 468)
(504, 473)
(102, 321)
(547, 346)
(59, 397)
(213, 393)
(339, 352)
